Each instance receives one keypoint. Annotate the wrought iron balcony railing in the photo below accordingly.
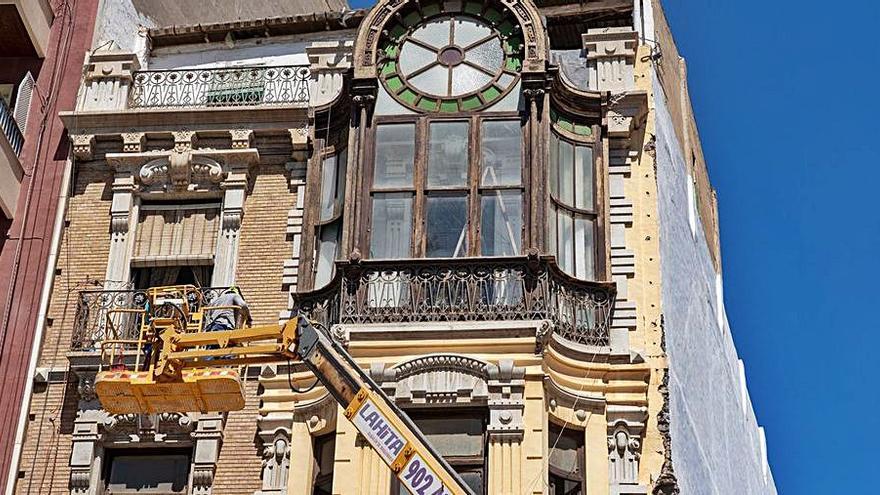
(491, 289)
(118, 314)
(10, 129)
(220, 87)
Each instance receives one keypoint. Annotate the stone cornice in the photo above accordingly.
(196, 119)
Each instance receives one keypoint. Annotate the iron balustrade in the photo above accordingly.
(118, 314)
(220, 87)
(10, 129)
(466, 289)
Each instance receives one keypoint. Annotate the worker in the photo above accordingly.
(232, 306)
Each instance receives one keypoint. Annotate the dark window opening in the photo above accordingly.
(153, 471)
(565, 460)
(460, 437)
(157, 276)
(323, 450)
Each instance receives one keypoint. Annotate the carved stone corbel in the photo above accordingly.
(626, 425)
(83, 146)
(241, 138)
(133, 142)
(207, 439)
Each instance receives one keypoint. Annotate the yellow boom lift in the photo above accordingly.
(176, 365)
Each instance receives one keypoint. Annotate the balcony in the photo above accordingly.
(10, 167)
(117, 315)
(221, 87)
(455, 290)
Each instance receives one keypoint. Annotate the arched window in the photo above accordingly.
(573, 206)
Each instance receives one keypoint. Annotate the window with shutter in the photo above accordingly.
(183, 234)
(565, 460)
(23, 101)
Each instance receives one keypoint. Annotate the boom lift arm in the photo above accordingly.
(187, 368)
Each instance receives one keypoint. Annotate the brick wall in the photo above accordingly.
(264, 245)
(240, 463)
(82, 256)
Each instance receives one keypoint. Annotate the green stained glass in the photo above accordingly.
(513, 64)
(429, 10)
(473, 8)
(397, 32)
(582, 130)
(470, 103)
(493, 16)
(449, 106)
(394, 84)
(491, 93)
(389, 68)
(428, 104)
(412, 19)
(391, 51)
(408, 96)
(565, 124)
(506, 28)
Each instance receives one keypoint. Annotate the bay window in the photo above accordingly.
(573, 208)
(329, 227)
(446, 187)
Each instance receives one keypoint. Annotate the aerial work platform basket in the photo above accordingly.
(174, 364)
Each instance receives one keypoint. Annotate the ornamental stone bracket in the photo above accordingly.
(83, 146)
(109, 73)
(611, 58)
(626, 426)
(328, 63)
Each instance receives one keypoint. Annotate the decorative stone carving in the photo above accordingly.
(86, 387)
(207, 438)
(542, 336)
(329, 61)
(506, 386)
(133, 142)
(109, 75)
(626, 424)
(276, 464)
(241, 138)
(611, 57)
(83, 146)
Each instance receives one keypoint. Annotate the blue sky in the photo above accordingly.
(785, 93)
(785, 96)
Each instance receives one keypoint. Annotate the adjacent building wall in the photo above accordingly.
(717, 446)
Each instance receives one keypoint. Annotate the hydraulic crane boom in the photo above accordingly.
(178, 366)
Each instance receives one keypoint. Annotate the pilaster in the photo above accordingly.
(109, 73)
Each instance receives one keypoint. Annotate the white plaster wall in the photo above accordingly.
(717, 446)
(118, 21)
(280, 50)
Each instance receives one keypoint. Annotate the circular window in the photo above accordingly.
(451, 61)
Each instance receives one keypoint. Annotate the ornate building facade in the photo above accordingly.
(499, 208)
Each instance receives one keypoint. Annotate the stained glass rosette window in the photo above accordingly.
(451, 57)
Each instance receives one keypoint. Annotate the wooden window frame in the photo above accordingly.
(469, 461)
(420, 190)
(598, 212)
(581, 457)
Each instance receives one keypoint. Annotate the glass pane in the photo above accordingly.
(564, 229)
(566, 174)
(434, 81)
(435, 33)
(328, 240)
(473, 479)
(448, 154)
(583, 170)
(413, 57)
(501, 224)
(466, 79)
(468, 32)
(554, 165)
(149, 474)
(565, 446)
(502, 141)
(454, 436)
(447, 226)
(395, 153)
(391, 225)
(584, 235)
(487, 55)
